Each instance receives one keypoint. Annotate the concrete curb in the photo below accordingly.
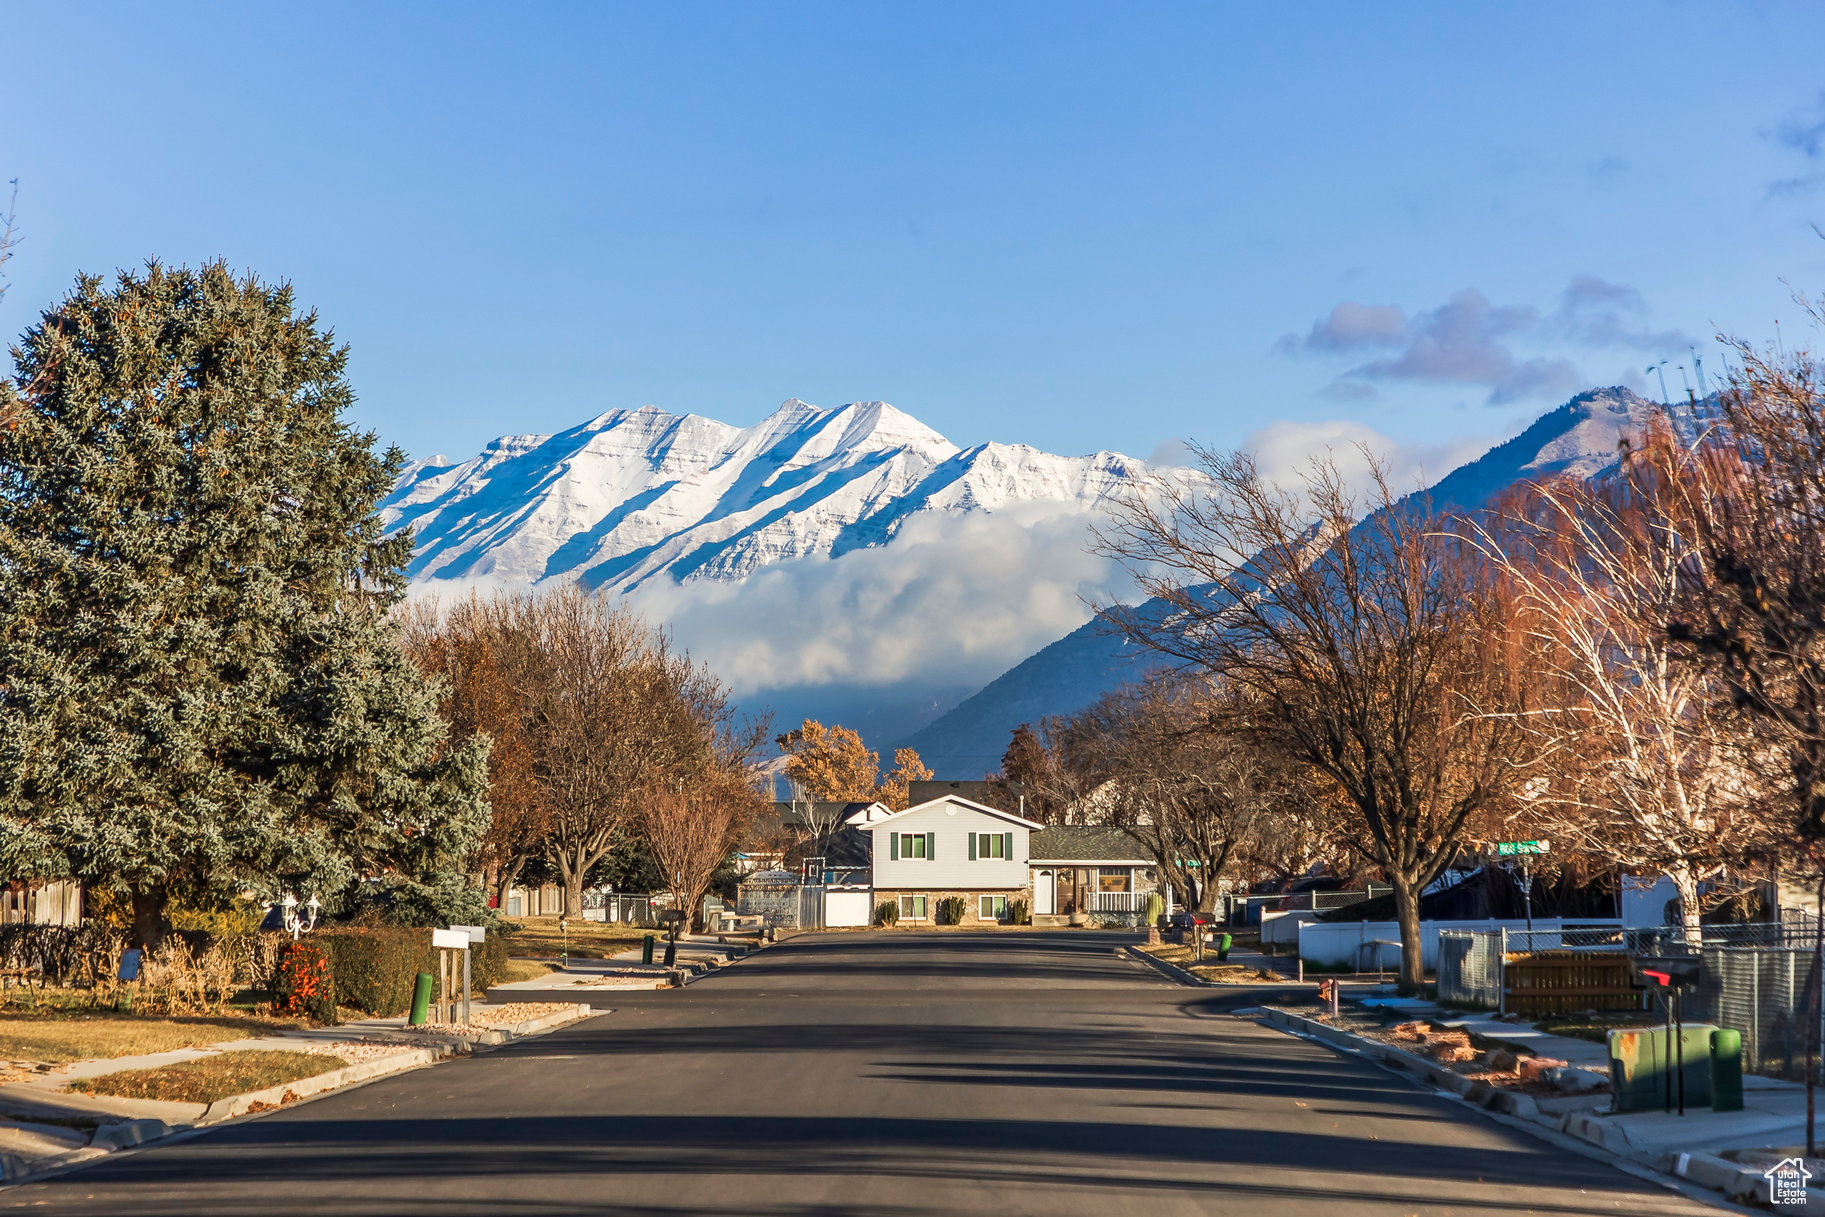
(1735, 1182)
(133, 1135)
(1187, 977)
(304, 1088)
(1482, 1094)
(1171, 970)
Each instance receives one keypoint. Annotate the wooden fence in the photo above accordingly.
(1562, 982)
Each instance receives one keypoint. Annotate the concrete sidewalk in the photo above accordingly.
(1722, 1150)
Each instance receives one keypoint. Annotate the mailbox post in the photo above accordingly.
(477, 935)
(674, 925)
(1669, 975)
(447, 943)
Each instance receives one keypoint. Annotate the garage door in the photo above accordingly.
(847, 908)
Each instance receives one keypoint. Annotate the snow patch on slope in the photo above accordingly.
(633, 495)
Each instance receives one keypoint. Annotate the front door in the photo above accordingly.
(1045, 893)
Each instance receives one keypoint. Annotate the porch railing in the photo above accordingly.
(1118, 902)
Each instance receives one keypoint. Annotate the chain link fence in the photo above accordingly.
(1763, 992)
(1470, 968)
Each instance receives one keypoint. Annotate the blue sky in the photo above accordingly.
(1077, 226)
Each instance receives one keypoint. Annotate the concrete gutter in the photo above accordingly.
(1572, 1117)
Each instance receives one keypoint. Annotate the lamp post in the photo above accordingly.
(296, 924)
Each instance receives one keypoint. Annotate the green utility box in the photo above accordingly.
(1642, 1067)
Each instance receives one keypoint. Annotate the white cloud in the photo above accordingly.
(1283, 450)
(950, 599)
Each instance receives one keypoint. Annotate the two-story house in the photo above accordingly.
(951, 846)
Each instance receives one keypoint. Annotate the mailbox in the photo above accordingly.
(1664, 971)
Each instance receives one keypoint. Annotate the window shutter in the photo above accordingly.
(893, 847)
(931, 846)
(1008, 847)
(972, 847)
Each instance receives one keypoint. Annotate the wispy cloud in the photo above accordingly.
(1514, 351)
(1803, 132)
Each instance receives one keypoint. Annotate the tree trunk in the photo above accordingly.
(1686, 883)
(504, 878)
(1406, 912)
(148, 916)
(573, 894)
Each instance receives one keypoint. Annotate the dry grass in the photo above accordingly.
(1221, 973)
(57, 1039)
(539, 936)
(526, 969)
(209, 1078)
(1596, 1026)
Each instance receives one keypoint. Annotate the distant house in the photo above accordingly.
(950, 846)
(955, 846)
(1094, 871)
(792, 832)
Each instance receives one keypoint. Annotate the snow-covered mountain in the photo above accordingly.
(637, 494)
(1582, 438)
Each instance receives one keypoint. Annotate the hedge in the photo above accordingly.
(375, 967)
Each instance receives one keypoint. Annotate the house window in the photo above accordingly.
(912, 908)
(912, 846)
(991, 845)
(994, 908)
(1112, 880)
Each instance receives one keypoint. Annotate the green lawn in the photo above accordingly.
(209, 1078)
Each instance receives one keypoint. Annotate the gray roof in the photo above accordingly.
(1085, 843)
(936, 788)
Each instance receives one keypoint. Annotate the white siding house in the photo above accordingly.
(950, 846)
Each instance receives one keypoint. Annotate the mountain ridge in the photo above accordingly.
(633, 495)
(1581, 438)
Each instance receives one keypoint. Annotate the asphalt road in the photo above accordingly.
(879, 1075)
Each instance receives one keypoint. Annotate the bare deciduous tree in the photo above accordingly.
(1645, 771)
(1183, 780)
(692, 831)
(1367, 649)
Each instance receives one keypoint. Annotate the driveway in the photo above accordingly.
(879, 1075)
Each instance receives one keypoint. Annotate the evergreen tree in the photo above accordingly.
(200, 688)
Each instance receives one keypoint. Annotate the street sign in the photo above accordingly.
(1509, 849)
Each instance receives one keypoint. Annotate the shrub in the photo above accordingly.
(189, 979)
(952, 910)
(376, 967)
(304, 983)
(1018, 910)
(887, 913)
